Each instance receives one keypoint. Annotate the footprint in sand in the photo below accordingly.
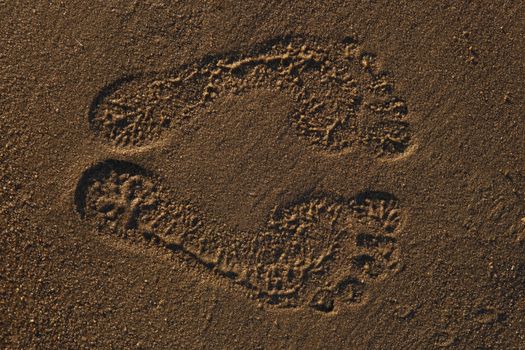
(342, 99)
(314, 251)
(321, 250)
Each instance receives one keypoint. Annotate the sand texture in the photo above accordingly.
(262, 174)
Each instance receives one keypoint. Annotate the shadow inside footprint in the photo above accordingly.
(99, 174)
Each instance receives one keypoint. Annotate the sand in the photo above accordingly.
(262, 175)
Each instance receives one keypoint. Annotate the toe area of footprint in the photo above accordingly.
(343, 99)
(322, 251)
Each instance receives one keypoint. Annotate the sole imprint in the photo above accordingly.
(341, 96)
(321, 251)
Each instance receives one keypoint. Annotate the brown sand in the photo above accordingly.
(262, 175)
